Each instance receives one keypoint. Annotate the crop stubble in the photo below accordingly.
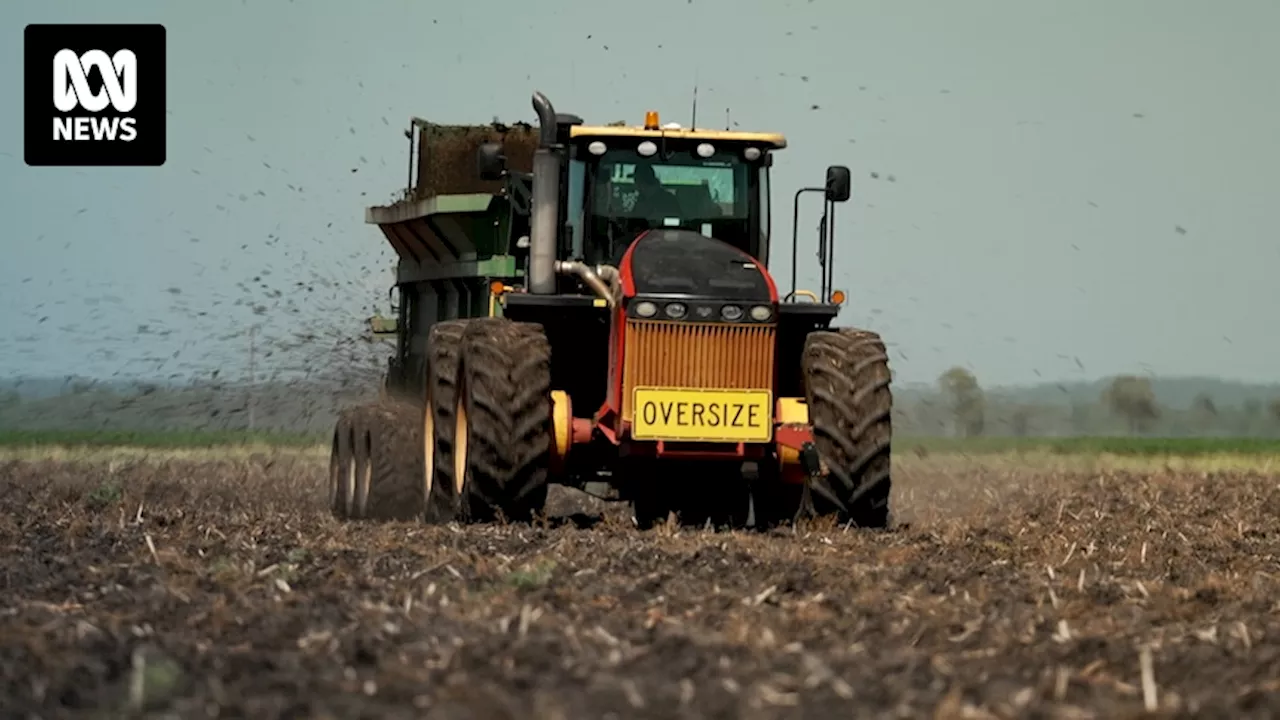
(200, 587)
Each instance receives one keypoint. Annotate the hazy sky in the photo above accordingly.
(1069, 179)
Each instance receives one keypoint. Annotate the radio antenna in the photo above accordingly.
(693, 121)
(726, 119)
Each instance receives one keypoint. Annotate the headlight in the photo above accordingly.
(676, 310)
(761, 313)
(646, 309)
(731, 313)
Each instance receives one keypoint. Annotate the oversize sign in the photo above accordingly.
(677, 414)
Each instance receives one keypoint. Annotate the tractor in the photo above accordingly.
(591, 306)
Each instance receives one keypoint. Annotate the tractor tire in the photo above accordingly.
(440, 489)
(846, 374)
(395, 484)
(342, 467)
(503, 426)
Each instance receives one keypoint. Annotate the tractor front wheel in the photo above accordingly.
(441, 490)
(847, 378)
(503, 424)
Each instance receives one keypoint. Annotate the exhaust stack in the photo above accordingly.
(545, 201)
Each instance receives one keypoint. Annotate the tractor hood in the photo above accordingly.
(682, 263)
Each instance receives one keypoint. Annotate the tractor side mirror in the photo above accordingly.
(839, 183)
(491, 162)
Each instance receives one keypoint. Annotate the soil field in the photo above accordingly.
(202, 587)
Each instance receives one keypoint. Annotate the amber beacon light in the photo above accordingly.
(651, 120)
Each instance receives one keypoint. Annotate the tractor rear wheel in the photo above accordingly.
(846, 374)
(503, 423)
(440, 489)
(394, 491)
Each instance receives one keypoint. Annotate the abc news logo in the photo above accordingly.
(107, 105)
(71, 90)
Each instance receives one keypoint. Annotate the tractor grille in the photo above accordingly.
(696, 355)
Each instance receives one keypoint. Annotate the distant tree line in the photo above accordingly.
(1127, 405)
(955, 405)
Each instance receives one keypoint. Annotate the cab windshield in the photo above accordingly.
(630, 193)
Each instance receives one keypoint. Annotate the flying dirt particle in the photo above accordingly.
(1179, 229)
(814, 107)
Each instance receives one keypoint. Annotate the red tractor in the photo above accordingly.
(591, 306)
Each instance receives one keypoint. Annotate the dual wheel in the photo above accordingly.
(486, 419)
(371, 463)
(478, 447)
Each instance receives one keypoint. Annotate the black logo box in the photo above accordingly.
(42, 42)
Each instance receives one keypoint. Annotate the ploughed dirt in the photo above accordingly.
(223, 589)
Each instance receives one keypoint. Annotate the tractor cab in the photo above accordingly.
(622, 181)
